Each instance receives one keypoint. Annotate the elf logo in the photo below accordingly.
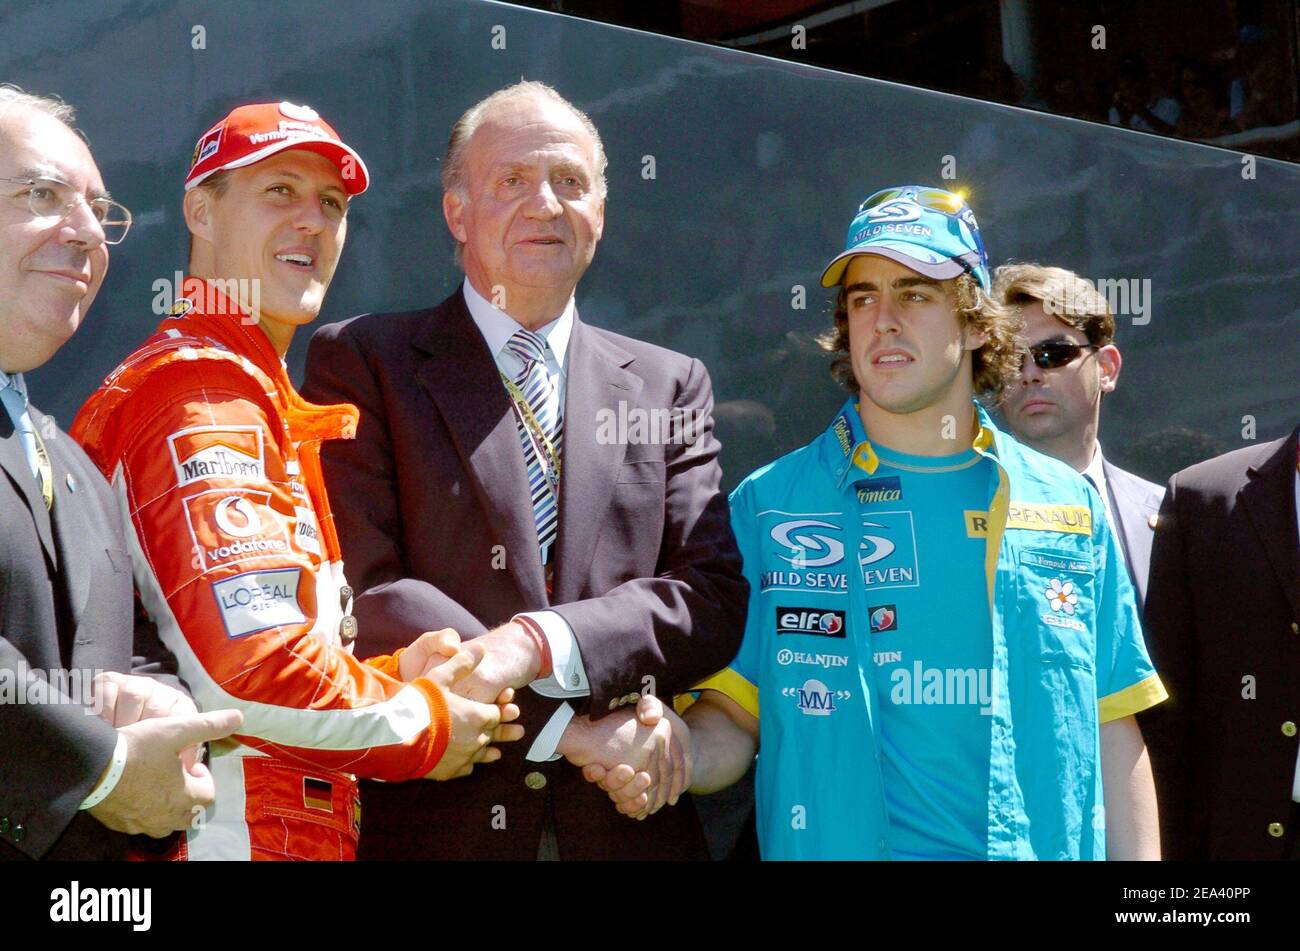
(812, 621)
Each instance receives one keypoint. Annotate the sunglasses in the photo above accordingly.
(1055, 353)
(933, 198)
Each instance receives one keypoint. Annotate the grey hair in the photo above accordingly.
(13, 98)
(453, 164)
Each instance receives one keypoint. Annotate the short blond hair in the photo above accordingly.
(993, 365)
(1071, 299)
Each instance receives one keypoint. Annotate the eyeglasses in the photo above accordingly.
(51, 198)
(1055, 353)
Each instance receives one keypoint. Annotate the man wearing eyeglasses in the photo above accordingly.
(216, 458)
(1055, 403)
(946, 657)
(87, 754)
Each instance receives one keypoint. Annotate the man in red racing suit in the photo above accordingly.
(215, 460)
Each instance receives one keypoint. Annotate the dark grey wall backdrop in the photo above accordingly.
(758, 167)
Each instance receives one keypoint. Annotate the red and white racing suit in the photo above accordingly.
(215, 460)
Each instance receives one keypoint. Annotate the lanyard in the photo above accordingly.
(46, 470)
(547, 455)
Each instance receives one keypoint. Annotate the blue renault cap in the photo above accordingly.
(929, 230)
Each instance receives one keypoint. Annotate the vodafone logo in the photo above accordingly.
(236, 517)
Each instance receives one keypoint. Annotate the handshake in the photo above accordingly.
(642, 758)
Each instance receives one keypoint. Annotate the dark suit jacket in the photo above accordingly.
(433, 511)
(1134, 500)
(65, 604)
(1223, 627)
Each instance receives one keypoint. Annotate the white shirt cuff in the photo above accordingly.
(568, 676)
(543, 748)
(116, 767)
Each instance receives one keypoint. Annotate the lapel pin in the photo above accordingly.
(72, 483)
(1152, 520)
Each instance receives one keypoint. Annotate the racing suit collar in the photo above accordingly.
(203, 308)
(851, 448)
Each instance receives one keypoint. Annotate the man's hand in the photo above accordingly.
(474, 725)
(427, 651)
(123, 699)
(510, 659)
(158, 793)
(644, 761)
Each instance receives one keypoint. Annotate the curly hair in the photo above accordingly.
(993, 365)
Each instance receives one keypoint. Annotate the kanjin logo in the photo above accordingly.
(810, 550)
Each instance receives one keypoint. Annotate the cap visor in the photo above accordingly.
(941, 271)
(356, 178)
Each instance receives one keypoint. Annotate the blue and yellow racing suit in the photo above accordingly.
(1024, 662)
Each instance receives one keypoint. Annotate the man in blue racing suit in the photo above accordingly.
(942, 637)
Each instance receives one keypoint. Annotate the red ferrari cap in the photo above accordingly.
(254, 132)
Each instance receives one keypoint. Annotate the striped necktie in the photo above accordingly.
(537, 389)
(15, 401)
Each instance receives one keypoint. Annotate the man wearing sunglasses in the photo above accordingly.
(1070, 363)
(944, 650)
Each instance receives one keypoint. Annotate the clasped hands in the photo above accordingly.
(641, 758)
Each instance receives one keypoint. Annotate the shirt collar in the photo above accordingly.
(497, 327)
(16, 381)
(1096, 472)
(851, 448)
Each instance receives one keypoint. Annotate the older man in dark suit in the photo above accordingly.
(71, 782)
(1223, 627)
(1055, 406)
(546, 486)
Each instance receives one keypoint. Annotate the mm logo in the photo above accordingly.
(814, 698)
(812, 621)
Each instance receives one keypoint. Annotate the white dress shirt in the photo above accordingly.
(568, 676)
(1096, 474)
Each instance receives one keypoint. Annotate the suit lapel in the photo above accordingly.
(76, 561)
(1269, 499)
(13, 460)
(462, 380)
(1126, 509)
(597, 380)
